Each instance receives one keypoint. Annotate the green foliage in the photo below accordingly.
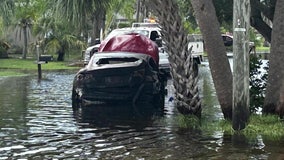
(123, 25)
(224, 12)
(60, 39)
(188, 121)
(6, 10)
(258, 82)
(255, 37)
(268, 126)
(122, 8)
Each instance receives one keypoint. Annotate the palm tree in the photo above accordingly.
(184, 78)
(26, 12)
(123, 8)
(83, 14)
(24, 29)
(6, 10)
(59, 39)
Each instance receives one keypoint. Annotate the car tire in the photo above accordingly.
(159, 101)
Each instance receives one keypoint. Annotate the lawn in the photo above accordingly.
(268, 126)
(262, 49)
(15, 66)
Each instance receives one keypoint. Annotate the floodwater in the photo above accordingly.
(37, 122)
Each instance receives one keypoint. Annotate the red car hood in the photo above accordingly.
(132, 42)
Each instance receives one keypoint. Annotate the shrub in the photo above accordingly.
(258, 80)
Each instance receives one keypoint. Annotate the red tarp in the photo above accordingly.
(132, 42)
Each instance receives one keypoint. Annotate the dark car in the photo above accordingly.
(227, 39)
(118, 77)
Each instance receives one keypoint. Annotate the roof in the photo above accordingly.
(148, 25)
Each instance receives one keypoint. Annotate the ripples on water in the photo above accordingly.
(37, 122)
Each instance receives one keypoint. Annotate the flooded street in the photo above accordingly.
(37, 122)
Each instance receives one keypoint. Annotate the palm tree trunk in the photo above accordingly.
(184, 78)
(25, 50)
(61, 54)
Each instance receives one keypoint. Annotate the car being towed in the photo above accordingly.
(121, 72)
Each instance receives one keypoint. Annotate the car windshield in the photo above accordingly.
(142, 32)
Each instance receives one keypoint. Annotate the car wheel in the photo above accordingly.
(159, 101)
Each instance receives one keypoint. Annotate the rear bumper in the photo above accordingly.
(125, 94)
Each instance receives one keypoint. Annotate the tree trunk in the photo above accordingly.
(241, 64)
(280, 105)
(99, 18)
(184, 79)
(25, 50)
(276, 59)
(218, 60)
(138, 11)
(61, 54)
(95, 29)
(256, 20)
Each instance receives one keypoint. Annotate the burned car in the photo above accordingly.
(118, 77)
(121, 72)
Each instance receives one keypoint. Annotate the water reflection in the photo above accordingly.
(13, 108)
(139, 116)
(37, 122)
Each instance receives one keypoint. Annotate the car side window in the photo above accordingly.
(154, 35)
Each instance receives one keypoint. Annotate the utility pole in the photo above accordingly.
(241, 64)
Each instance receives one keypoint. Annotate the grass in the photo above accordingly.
(31, 65)
(6, 73)
(262, 49)
(268, 126)
(258, 49)
(15, 66)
